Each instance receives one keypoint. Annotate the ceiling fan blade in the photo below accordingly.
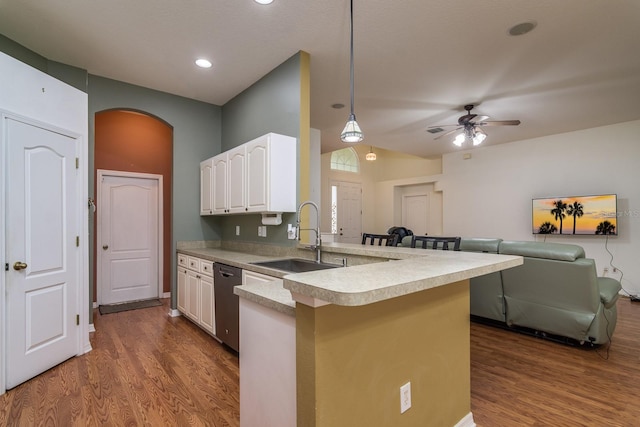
(447, 133)
(481, 119)
(442, 126)
(499, 123)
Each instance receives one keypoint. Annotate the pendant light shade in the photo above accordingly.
(371, 156)
(351, 132)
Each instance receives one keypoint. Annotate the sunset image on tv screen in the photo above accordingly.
(576, 215)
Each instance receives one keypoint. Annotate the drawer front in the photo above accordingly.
(193, 263)
(206, 267)
(182, 261)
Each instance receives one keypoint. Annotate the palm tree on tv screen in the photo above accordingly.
(559, 211)
(576, 210)
(605, 227)
(547, 228)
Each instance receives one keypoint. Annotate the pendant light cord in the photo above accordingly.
(351, 62)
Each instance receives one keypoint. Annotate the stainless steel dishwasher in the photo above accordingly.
(225, 277)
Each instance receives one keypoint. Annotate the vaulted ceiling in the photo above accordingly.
(417, 62)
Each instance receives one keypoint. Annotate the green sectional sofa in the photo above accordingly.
(556, 292)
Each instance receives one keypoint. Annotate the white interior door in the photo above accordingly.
(129, 236)
(348, 210)
(42, 250)
(415, 208)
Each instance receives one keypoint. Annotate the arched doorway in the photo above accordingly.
(140, 143)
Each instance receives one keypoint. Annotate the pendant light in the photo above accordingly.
(351, 132)
(371, 156)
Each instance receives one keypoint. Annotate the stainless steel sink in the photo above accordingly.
(295, 265)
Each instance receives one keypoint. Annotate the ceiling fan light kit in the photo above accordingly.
(352, 132)
(471, 127)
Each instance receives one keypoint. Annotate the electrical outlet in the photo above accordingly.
(237, 230)
(405, 397)
(605, 271)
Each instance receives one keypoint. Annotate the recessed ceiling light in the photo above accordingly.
(264, 1)
(203, 63)
(522, 28)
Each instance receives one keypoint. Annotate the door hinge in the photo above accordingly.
(77, 320)
(77, 241)
(6, 266)
(77, 163)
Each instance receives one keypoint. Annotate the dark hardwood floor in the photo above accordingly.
(149, 369)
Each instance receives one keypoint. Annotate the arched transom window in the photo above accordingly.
(345, 159)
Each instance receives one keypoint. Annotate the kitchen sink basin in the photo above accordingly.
(295, 265)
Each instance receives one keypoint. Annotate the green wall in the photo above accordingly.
(272, 104)
(200, 130)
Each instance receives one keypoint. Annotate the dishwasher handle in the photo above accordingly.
(226, 274)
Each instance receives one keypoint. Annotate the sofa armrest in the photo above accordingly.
(609, 290)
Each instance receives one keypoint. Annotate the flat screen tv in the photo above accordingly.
(576, 215)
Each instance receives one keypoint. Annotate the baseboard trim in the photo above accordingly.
(92, 327)
(174, 313)
(466, 421)
(166, 295)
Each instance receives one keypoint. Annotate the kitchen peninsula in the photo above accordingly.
(364, 331)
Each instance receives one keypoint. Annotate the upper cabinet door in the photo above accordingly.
(236, 176)
(220, 166)
(257, 175)
(206, 187)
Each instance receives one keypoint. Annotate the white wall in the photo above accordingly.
(388, 202)
(489, 195)
(382, 181)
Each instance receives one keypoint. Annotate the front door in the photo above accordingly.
(42, 250)
(348, 211)
(128, 236)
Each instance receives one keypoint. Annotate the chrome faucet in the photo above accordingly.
(318, 244)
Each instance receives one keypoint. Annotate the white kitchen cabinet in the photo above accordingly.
(206, 187)
(196, 297)
(193, 295)
(259, 176)
(207, 304)
(182, 289)
(219, 183)
(251, 277)
(237, 180)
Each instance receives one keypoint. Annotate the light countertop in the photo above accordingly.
(408, 270)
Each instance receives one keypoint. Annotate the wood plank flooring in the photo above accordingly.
(147, 369)
(519, 380)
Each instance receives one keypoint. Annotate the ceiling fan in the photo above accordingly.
(471, 126)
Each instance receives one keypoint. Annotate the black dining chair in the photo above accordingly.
(388, 239)
(432, 242)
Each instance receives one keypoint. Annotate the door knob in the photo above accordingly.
(18, 265)
(105, 247)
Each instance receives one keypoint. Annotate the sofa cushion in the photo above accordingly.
(609, 289)
(480, 245)
(556, 251)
